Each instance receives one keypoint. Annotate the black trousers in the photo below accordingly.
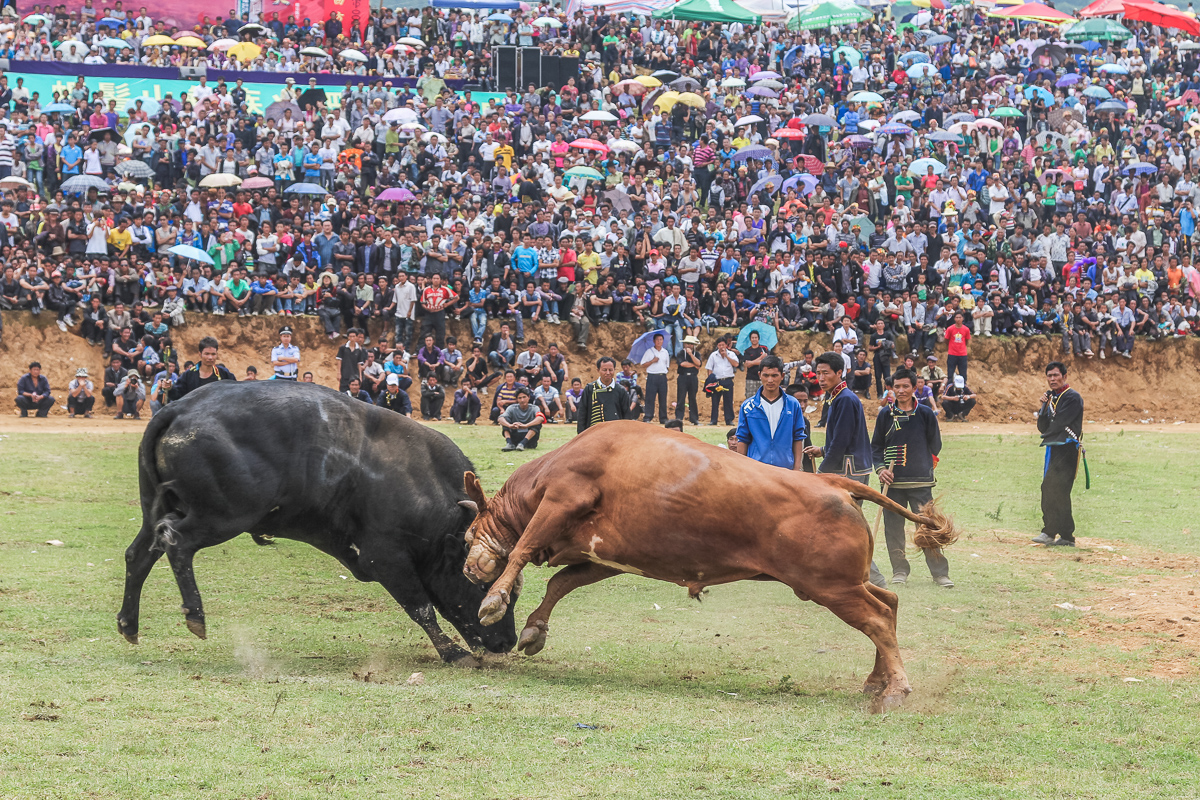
(953, 407)
(434, 323)
(26, 405)
(81, 404)
(955, 364)
(893, 531)
(723, 398)
(1062, 460)
(685, 393)
(656, 388)
(467, 411)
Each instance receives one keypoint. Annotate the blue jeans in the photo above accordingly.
(549, 307)
(495, 358)
(675, 327)
(478, 323)
(404, 331)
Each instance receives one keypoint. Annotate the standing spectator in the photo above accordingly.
(1060, 421)
(435, 300)
(112, 376)
(33, 392)
(350, 358)
(603, 399)
(522, 424)
(285, 356)
(752, 357)
(958, 336)
(404, 304)
(687, 381)
(771, 426)
(658, 359)
(80, 395)
(719, 385)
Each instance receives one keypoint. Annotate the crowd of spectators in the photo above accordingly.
(1007, 188)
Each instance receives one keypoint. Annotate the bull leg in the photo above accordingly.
(876, 682)
(869, 613)
(140, 558)
(180, 556)
(565, 581)
(397, 575)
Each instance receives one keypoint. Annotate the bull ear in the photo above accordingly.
(475, 492)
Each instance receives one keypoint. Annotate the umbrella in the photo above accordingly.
(1007, 111)
(864, 225)
(1051, 173)
(1097, 30)
(732, 83)
(1161, 15)
(754, 151)
(158, 40)
(257, 182)
(305, 188)
(395, 115)
(149, 105)
(937, 39)
(1113, 105)
(1070, 79)
(748, 120)
(120, 44)
(276, 109)
(789, 133)
(599, 116)
(944, 136)
(921, 167)
(623, 146)
(773, 183)
(646, 341)
(134, 169)
(194, 253)
(111, 22)
(584, 173)
(13, 182)
(858, 141)
(312, 97)
(649, 81)
(666, 98)
(620, 201)
(990, 123)
(254, 27)
(866, 97)
(996, 80)
(547, 22)
(821, 120)
(630, 86)
(761, 91)
(350, 54)
(913, 57)
(78, 45)
(694, 100)
(1038, 75)
(411, 41)
(765, 75)
(222, 44)
(59, 108)
(1031, 91)
(685, 84)
(500, 17)
(36, 19)
(1097, 92)
(920, 71)
(829, 14)
(97, 134)
(1136, 168)
(191, 41)
(1053, 52)
(1038, 12)
(396, 194)
(1115, 69)
(590, 144)
(895, 129)
(771, 84)
(768, 337)
(810, 163)
(315, 52)
(961, 127)
(905, 116)
(853, 57)
(220, 179)
(803, 183)
(665, 75)
(1046, 136)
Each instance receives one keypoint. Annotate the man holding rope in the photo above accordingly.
(1060, 421)
(905, 449)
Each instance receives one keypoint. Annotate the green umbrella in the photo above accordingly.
(708, 11)
(1006, 111)
(1097, 30)
(829, 14)
(584, 172)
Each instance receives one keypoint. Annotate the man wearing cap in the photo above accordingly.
(394, 397)
(285, 356)
(80, 395)
(958, 400)
(687, 381)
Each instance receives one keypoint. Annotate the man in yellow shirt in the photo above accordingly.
(589, 262)
(120, 239)
(504, 154)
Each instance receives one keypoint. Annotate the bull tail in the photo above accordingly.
(162, 508)
(935, 528)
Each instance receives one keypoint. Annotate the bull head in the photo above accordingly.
(487, 556)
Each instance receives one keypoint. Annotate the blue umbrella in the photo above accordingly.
(789, 57)
(920, 70)
(1115, 69)
(937, 39)
(120, 44)
(646, 341)
(499, 17)
(1031, 91)
(305, 188)
(894, 129)
(81, 183)
(944, 136)
(767, 335)
(111, 22)
(194, 253)
(921, 166)
(1090, 45)
(853, 57)
(754, 151)
(913, 57)
(1112, 105)
(59, 108)
(761, 91)
(1140, 168)
(1069, 79)
(1042, 74)
(774, 181)
(803, 183)
(1097, 92)
(149, 105)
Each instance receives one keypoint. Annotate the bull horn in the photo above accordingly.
(470, 505)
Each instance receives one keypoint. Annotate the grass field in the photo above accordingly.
(303, 688)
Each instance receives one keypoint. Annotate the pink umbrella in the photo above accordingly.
(590, 144)
(990, 123)
(397, 194)
(257, 183)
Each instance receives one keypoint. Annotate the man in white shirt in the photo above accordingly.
(720, 366)
(658, 360)
(404, 298)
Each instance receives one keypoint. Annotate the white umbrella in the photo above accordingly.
(411, 41)
(69, 42)
(549, 22)
(400, 115)
(599, 116)
(222, 44)
(771, 84)
(314, 51)
(748, 120)
(413, 126)
(350, 54)
(732, 83)
(624, 146)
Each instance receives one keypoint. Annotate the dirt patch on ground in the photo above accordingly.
(1153, 390)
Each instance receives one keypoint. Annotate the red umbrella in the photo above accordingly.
(795, 122)
(590, 144)
(1190, 94)
(810, 163)
(788, 133)
(1162, 16)
(1103, 8)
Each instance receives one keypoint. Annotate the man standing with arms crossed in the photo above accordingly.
(1060, 421)
(285, 357)
(847, 448)
(771, 426)
(904, 447)
(658, 360)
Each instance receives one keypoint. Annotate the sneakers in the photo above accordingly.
(1062, 542)
(70, 321)
(521, 446)
(508, 448)
(1101, 353)
(1127, 354)
(1088, 353)
(944, 581)
(62, 326)
(1043, 538)
(899, 579)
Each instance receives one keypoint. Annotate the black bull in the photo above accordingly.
(380, 493)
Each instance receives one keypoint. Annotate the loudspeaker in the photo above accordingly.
(193, 73)
(4, 65)
(568, 68)
(505, 62)
(531, 67)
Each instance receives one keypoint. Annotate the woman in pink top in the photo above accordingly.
(559, 150)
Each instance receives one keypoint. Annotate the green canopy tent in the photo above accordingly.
(708, 11)
(829, 14)
(1097, 30)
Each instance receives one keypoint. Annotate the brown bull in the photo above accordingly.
(628, 497)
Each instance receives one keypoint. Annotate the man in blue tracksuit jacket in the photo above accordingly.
(771, 425)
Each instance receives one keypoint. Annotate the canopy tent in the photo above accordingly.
(708, 11)
(1161, 15)
(510, 5)
(1037, 12)
(829, 14)
(770, 10)
(640, 8)
(1102, 8)
(1096, 30)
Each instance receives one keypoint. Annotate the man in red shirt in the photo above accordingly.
(958, 336)
(435, 299)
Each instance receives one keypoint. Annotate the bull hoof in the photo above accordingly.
(127, 630)
(197, 627)
(872, 689)
(492, 609)
(533, 639)
(466, 661)
(888, 702)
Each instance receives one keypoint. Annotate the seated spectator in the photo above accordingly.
(506, 395)
(355, 390)
(571, 399)
(522, 423)
(433, 397)
(466, 406)
(112, 377)
(33, 392)
(958, 400)
(131, 394)
(546, 398)
(80, 395)
(394, 397)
